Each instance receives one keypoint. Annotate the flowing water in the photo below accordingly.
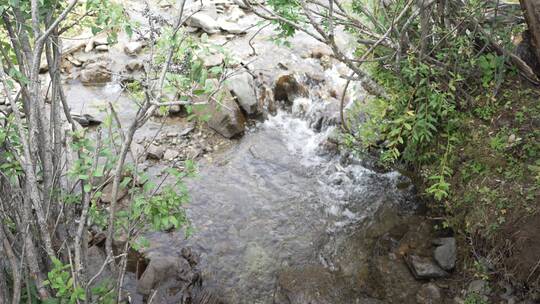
(276, 199)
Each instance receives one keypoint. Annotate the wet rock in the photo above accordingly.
(170, 154)
(205, 22)
(133, 48)
(162, 269)
(155, 152)
(106, 196)
(96, 71)
(242, 87)
(446, 253)
(428, 294)
(85, 120)
(424, 268)
(287, 88)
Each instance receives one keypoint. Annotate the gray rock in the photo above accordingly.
(96, 258)
(424, 268)
(446, 253)
(96, 71)
(170, 154)
(428, 294)
(231, 27)
(205, 22)
(134, 66)
(479, 287)
(161, 270)
(133, 48)
(242, 87)
(155, 152)
(187, 130)
(225, 116)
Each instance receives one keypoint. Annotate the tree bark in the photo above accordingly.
(531, 11)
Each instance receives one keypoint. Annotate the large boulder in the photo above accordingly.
(242, 87)
(96, 71)
(223, 113)
(163, 269)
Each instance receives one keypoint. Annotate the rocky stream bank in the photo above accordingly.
(281, 213)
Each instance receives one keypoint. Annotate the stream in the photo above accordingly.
(275, 198)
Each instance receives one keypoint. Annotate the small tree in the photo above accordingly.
(52, 176)
(531, 10)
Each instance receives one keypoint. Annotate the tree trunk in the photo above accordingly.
(531, 11)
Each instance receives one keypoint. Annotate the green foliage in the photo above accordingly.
(421, 121)
(164, 210)
(67, 291)
(474, 298)
(59, 278)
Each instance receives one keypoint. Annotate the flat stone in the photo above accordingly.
(231, 27)
(446, 253)
(186, 131)
(424, 268)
